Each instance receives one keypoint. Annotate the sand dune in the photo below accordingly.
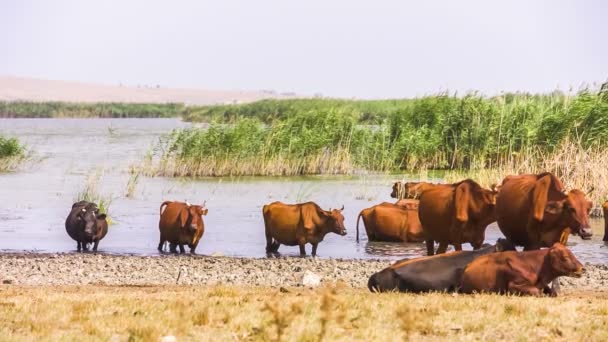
(30, 89)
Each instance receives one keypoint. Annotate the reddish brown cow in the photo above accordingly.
(392, 222)
(181, 224)
(299, 224)
(456, 214)
(605, 208)
(410, 189)
(533, 211)
(525, 273)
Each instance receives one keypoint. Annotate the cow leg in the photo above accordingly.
(275, 246)
(160, 245)
(443, 247)
(430, 247)
(269, 243)
(523, 289)
(95, 244)
(173, 247)
(302, 250)
(78, 246)
(457, 246)
(549, 291)
(182, 250)
(192, 250)
(85, 248)
(314, 249)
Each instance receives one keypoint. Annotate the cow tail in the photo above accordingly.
(165, 203)
(358, 218)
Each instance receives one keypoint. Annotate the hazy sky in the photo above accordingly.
(338, 48)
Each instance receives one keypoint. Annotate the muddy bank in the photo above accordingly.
(100, 269)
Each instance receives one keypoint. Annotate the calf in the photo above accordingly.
(524, 273)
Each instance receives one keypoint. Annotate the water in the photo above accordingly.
(35, 201)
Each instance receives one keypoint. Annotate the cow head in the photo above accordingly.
(191, 217)
(563, 210)
(88, 217)
(335, 221)
(398, 191)
(563, 262)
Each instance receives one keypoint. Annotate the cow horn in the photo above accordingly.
(84, 210)
(204, 203)
(188, 204)
(590, 191)
(342, 207)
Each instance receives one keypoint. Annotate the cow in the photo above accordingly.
(523, 273)
(181, 223)
(299, 224)
(85, 224)
(397, 222)
(605, 209)
(442, 272)
(455, 214)
(410, 189)
(533, 211)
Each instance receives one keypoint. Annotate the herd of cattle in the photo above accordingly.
(532, 211)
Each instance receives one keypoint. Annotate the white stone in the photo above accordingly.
(311, 279)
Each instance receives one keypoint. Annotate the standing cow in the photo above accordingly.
(605, 208)
(533, 211)
(392, 222)
(299, 224)
(86, 225)
(181, 224)
(456, 214)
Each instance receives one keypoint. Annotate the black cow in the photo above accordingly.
(441, 272)
(86, 225)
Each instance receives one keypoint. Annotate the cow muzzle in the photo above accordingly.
(578, 273)
(585, 233)
(343, 232)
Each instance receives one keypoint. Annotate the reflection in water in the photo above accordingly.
(395, 249)
(35, 201)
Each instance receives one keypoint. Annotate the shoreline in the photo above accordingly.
(39, 269)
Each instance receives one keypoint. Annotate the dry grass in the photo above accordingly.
(578, 168)
(270, 314)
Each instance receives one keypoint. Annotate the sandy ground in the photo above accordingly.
(29, 89)
(100, 269)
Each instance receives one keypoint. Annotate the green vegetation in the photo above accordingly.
(25, 109)
(90, 193)
(11, 153)
(318, 136)
(220, 313)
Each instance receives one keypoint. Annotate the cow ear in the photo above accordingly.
(462, 199)
(183, 216)
(539, 196)
(204, 211)
(101, 216)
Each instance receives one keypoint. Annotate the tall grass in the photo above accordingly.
(12, 153)
(336, 136)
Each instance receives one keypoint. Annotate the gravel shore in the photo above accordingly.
(103, 269)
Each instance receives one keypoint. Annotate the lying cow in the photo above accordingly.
(392, 222)
(181, 224)
(605, 209)
(85, 224)
(299, 224)
(524, 273)
(442, 272)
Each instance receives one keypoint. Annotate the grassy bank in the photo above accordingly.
(12, 153)
(25, 109)
(236, 313)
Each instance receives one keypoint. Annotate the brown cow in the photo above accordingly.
(455, 214)
(533, 211)
(392, 222)
(525, 273)
(299, 224)
(605, 208)
(410, 189)
(181, 224)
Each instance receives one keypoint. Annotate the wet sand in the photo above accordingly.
(104, 269)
